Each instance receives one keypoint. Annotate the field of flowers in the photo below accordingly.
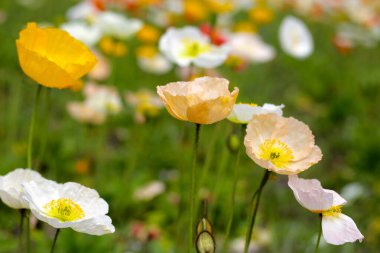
(172, 126)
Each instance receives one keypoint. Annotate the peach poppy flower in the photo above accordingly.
(337, 228)
(204, 100)
(283, 145)
(53, 58)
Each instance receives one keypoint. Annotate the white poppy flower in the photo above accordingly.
(149, 191)
(117, 25)
(69, 205)
(100, 102)
(11, 189)
(295, 38)
(251, 47)
(242, 113)
(156, 64)
(88, 34)
(189, 45)
(337, 228)
(82, 10)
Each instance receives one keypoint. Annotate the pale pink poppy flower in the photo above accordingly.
(282, 145)
(337, 228)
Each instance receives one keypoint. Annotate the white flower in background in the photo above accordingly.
(100, 101)
(359, 12)
(354, 191)
(261, 238)
(358, 35)
(102, 69)
(155, 64)
(69, 205)
(250, 47)
(295, 38)
(11, 189)
(117, 25)
(83, 10)
(337, 228)
(146, 103)
(189, 45)
(88, 34)
(242, 113)
(103, 99)
(149, 191)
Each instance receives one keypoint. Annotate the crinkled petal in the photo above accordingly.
(310, 194)
(98, 225)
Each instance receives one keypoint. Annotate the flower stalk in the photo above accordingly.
(256, 196)
(55, 240)
(31, 128)
(193, 190)
(319, 234)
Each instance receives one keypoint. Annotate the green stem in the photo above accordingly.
(31, 129)
(55, 240)
(231, 218)
(27, 216)
(319, 235)
(256, 196)
(22, 218)
(193, 191)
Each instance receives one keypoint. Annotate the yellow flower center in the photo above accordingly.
(334, 210)
(277, 152)
(64, 209)
(192, 49)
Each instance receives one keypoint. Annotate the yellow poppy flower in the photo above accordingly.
(205, 100)
(53, 58)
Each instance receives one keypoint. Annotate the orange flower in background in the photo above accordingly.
(261, 15)
(53, 58)
(205, 100)
(148, 34)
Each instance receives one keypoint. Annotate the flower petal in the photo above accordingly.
(310, 194)
(339, 229)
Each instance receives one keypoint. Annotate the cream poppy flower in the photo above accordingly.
(205, 100)
(155, 64)
(69, 205)
(295, 38)
(243, 112)
(251, 47)
(11, 189)
(337, 228)
(189, 45)
(283, 145)
(100, 102)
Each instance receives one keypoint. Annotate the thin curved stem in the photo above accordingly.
(31, 129)
(193, 190)
(256, 197)
(55, 240)
(319, 235)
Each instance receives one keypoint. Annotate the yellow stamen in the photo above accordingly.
(64, 209)
(277, 152)
(334, 210)
(193, 48)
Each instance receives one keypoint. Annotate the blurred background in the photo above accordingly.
(135, 154)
